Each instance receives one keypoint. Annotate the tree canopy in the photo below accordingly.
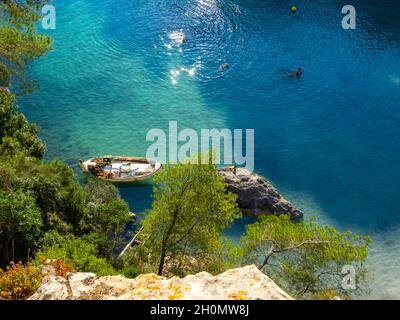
(305, 258)
(19, 42)
(190, 210)
(16, 133)
(54, 200)
(43, 200)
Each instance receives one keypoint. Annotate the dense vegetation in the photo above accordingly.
(19, 42)
(44, 211)
(45, 214)
(37, 197)
(304, 258)
(182, 234)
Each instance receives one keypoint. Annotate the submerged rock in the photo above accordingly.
(246, 283)
(257, 195)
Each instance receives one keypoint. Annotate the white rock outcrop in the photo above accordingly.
(246, 283)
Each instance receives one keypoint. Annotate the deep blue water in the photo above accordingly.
(329, 141)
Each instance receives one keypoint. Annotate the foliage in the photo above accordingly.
(5, 75)
(61, 268)
(189, 212)
(130, 272)
(226, 256)
(104, 243)
(16, 134)
(61, 203)
(305, 258)
(18, 281)
(20, 221)
(44, 208)
(106, 212)
(54, 187)
(78, 253)
(42, 205)
(329, 294)
(19, 42)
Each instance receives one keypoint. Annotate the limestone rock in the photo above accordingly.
(52, 288)
(257, 195)
(82, 284)
(246, 283)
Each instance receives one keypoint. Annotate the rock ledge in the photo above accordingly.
(257, 195)
(246, 283)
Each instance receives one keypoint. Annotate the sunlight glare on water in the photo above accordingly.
(329, 141)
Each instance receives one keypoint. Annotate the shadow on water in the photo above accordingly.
(138, 198)
(330, 141)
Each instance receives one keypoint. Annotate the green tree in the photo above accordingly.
(190, 210)
(105, 211)
(38, 198)
(20, 221)
(63, 204)
(304, 258)
(19, 42)
(54, 185)
(5, 75)
(16, 133)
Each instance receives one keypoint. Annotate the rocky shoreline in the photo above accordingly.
(246, 283)
(256, 195)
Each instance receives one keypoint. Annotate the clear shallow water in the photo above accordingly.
(330, 142)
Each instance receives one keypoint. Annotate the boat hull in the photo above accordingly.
(143, 179)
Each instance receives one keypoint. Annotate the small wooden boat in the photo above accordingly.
(121, 169)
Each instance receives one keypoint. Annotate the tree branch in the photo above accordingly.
(272, 250)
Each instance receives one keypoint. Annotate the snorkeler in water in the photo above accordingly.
(223, 67)
(298, 73)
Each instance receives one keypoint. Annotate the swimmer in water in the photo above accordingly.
(223, 67)
(298, 73)
(184, 39)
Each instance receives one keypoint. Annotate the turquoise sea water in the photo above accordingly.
(330, 141)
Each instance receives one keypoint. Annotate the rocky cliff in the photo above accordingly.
(257, 195)
(246, 283)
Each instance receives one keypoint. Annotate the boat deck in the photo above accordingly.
(121, 169)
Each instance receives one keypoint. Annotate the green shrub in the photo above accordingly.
(130, 272)
(105, 212)
(77, 252)
(20, 222)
